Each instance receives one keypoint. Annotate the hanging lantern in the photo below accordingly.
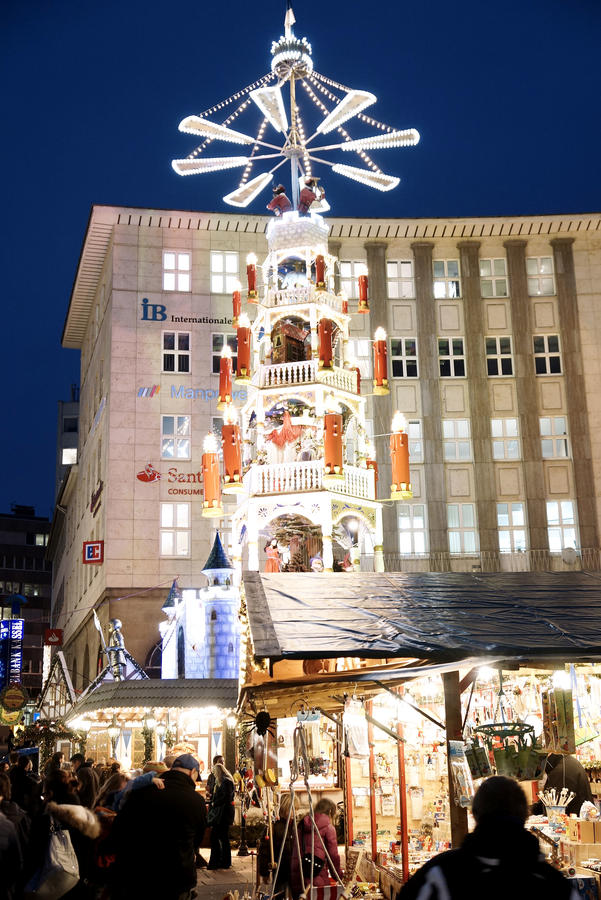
(325, 329)
(243, 367)
(225, 378)
(320, 273)
(211, 506)
(344, 302)
(236, 304)
(400, 489)
(251, 275)
(332, 439)
(232, 454)
(380, 363)
(362, 282)
(372, 464)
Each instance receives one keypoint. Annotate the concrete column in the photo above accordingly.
(382, 406)
(484, 474)
(527, 395)
(427, 330)
(571, 355)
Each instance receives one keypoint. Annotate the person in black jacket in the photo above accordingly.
(565, 771)
(222, 816)
(498, 860)
(155, 836)
(25, 790)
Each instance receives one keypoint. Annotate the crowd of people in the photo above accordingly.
(121, 836)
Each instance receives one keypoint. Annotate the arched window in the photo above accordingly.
(230, 647)
(181, 653)
(213, 615)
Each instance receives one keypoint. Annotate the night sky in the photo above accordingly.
(506, 97)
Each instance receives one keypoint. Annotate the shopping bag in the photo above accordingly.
(59, 871)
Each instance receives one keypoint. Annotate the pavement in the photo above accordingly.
(214, 884)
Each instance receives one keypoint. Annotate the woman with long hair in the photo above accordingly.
(221, 816)
(324, 814)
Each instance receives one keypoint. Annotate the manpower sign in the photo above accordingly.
(188, 393)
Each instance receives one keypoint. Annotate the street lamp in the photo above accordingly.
(113, 732)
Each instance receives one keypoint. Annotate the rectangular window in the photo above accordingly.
(176, 271)
(446, 278)
(456, 439)
(561, 525)
(224, 272)
(175, 529)
(511, 527)
(350, 269)
(547, 355)
(505, 439)
(69, 456)
(554, 437)
(217, 342)
(176, 351)
(360, 352)
(416, 444)
(70, 424)
(412, 528)
(461, 522)
(175, 437)
(540, 276)
(403, 357)
(41, 540)
(399, 279)
(499, 359)
(451, 357)
(493, 277)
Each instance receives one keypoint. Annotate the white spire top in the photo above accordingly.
(289, 20)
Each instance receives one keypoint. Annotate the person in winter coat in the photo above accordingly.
(87, 787)
(11, 860)
(565, 771)
(14, 813)
(155, 835)
(25, 790)
(324, 813)
(222, 816)
(499, 859)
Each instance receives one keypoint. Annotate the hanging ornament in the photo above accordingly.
(243, 367)
(380, 363)
(400, 488)
(211, 507)
(325, 330)
(225, 378)
(251, 276)
(232, 454)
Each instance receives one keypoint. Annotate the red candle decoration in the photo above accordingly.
(372, 464)
(225, 378)
(380, 363)
(211, 505)
(236, 305)
(400, 489)
(362, 282)
(232, 455)
(243, 367)
(320, 273)
(251, 275)
(344, 300)
(332, 439)
(325, 330)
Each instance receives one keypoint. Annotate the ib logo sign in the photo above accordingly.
(153, 312)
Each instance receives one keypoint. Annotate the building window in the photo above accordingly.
(360, 354)
(176, 351)
(217, 344)
(412, 528)
(176, 271)
(70, 425)
(461, 522)
(554, 437)
(446, 278)
(175, 529)
(224, 272)
(175, 437)
(540, 276)
(505, 438)
(561, 525)
(499, 359)
(547, 356)
(493, 277)
(403, 356)
(416, 444)
(511, 527)
(41, 540)
(349, 273)
(399, 278)
(456, 439)
(69, 456)
(451, 357)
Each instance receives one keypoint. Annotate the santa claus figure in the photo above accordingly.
(309, 194)
(280, 203)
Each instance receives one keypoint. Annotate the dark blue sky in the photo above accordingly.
(505, 96)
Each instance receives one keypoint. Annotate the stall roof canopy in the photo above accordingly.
(160, 693)
(430, 616)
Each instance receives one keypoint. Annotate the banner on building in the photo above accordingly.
(93, 552)
(11, 651)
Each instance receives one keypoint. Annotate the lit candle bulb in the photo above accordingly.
(361, 271)
(211, 506)
(243, 367)
(236, 303)
(325, 330)
(225, 378)
(232, 453)
(380, 362)
(332, 440)
(400, 489)
(320, 273)
(251, 276)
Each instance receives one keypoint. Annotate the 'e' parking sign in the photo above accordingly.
(93, 552)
